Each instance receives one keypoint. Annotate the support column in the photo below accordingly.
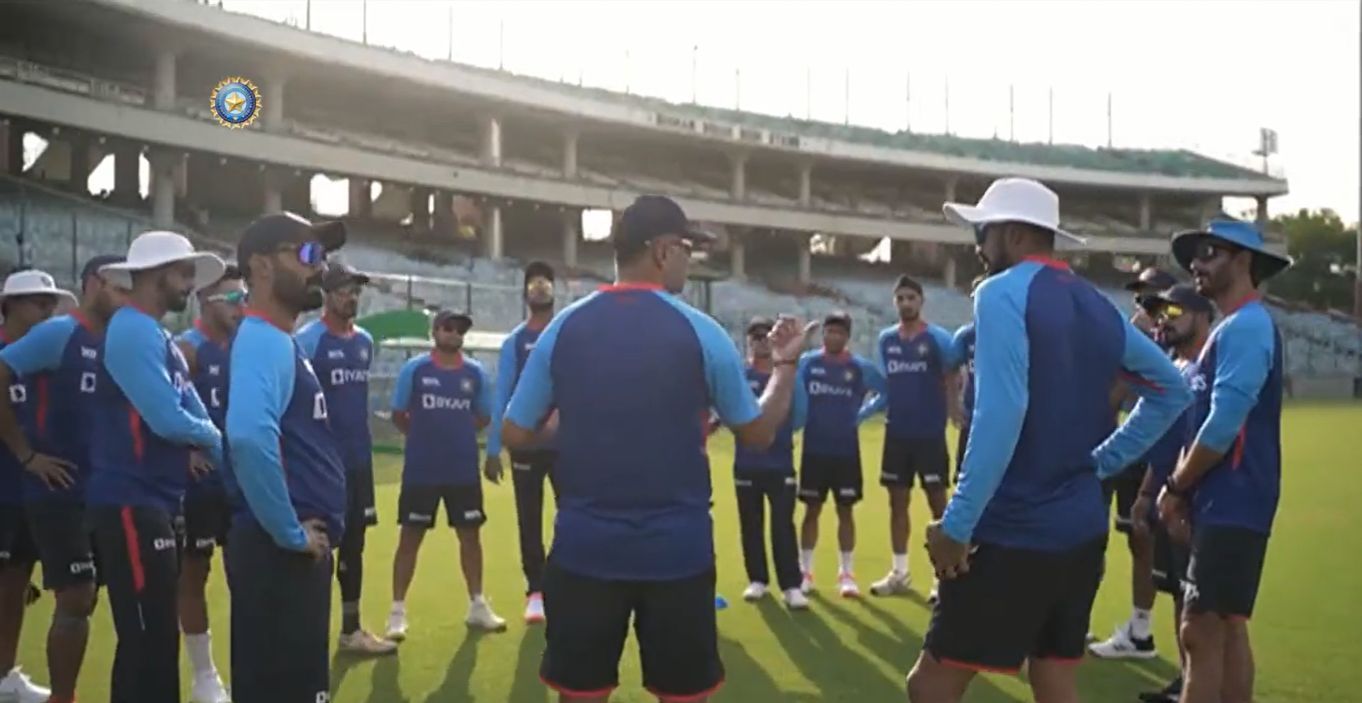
(1209, 210)
(274, 191)
(737, 254)
(164, 165)
(1262, 213)
(805, 260)
(738, 187)
(491, 142)
(11, 147)
(1146, 214)
(951, 183)
(419, 206)
(444, 221)
(127, 170)
(949, 272)
(570, 154)
(492, 237)
(571, 220)
(361, 205)
(806, 184)
(79, 172)
(272, 103)
(163, 95)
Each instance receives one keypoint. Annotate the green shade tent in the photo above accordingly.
(410, 329)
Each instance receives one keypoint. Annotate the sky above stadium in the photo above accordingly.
(1202, 76)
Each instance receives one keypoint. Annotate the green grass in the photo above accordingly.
(1304, 632)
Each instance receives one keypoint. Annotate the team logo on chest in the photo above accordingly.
(466, 385)
(922, 349)
(363, 354)
(849, 376)
(89, 353)
(335, 354)
(18, 394)
(214, 370)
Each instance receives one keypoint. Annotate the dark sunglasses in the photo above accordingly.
(235, 297)
(309, 253)
(1207, 250)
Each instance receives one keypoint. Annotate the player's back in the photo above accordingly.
(1072, 343)
(628, 370)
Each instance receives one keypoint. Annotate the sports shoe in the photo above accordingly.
(894, 583)
(397, 626)
(363, 642)
(1121, 645)
(480, 616)
(534, 609)
(846, 585)
(18, 688)
(755, 591)
(796, 600)
(806, 585)
(1170, 693)
(208, 688)
(935, 594)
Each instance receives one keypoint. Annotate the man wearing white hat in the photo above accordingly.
(150, 430)
(1223, 494)
(28, 297)
(1019, 549)
(60, 358)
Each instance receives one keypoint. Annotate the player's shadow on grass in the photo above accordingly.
(746, 680)
(383, 686)
(525, 684)
(820, 655)
(460, 671)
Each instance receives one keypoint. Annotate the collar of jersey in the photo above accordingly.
(261, 316)
(910, 332)
(458, 362)
(1048, 262)
(79, 316)
(340, 329)
(842, 356)
(1250, 298)
(624, 287)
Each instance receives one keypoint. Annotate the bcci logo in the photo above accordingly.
(466, 385)
(235, 102)
(849, 376)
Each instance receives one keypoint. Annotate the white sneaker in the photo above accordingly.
(935, 594)
(365, 643)
(1121, 645)
(397, 626)
(755, 591)
(208, 688)
(534, 609)
(796, 600)
(846, 585)
(806, 585)
(893, 583)
(480, 616)
(18, 688)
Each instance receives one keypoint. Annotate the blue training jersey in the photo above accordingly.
(341, 358)
(443, 404)
(633, 371)
(915, 363)
(1163, 456)
(515, 351)
(11, 471)
(285, 467)
(212, 360)
(829, 391)
(1238, 411)
(779, 457)
(146, 418)
(59, 360)
(1050, 346)
(962, 345)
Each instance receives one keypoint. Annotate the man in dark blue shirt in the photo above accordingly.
(59, 360)
(529, 467)
(1019, 550)
(28, 298)
(1223, 494)
(633, 371)
(829, 405)
(206, 348)
(286, 482)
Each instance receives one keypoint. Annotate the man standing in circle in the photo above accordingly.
(341, 353)
(633, 371)
(440, 401)
(286, 482)
(529, 467)
(1223, 494)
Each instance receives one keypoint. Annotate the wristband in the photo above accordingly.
(786, 362)
(32, 454)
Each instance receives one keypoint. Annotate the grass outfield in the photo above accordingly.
(843, 650)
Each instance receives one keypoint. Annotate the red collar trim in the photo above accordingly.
(842, 356)
(337, 327)
(4, 336)
(1048, 262)
(142, 310)
(1251, 297)
(208, 334)
(262, 316)
(916, 329)
(622, 287)
(533, 326)
(458, 361)
(79, 316)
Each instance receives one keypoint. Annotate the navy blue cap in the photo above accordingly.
(268, 233)
(95, 263)
(760, 325)
(838, 317)
(1151, 279)
(653, 216)
(452, 315)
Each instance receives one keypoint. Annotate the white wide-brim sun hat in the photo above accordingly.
(158, 248)
(35, 282)
(1015, 200)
